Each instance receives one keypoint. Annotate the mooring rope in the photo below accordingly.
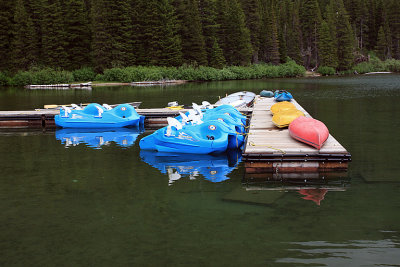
(251, 143)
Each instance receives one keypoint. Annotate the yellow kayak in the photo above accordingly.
(175, 107)
(285, 117)
(284, 105)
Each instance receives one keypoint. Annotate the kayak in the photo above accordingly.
(285, 117)
(310, 131)
(284, 105)
(282, 95)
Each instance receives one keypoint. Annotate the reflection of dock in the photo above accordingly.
(272, 150)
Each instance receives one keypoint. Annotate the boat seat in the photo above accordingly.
(107, 106)
(197, 109)
(67, 111)
(206, 105)
(185, 119)
(75, 106)
(172, 123)
(100, 110)
(194, 117)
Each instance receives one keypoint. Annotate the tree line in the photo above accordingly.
(103, 34)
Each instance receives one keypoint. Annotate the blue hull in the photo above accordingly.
(95, 116)
(283, 96)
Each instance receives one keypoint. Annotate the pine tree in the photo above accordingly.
(310, 18)
(394, 23)
(251, 10)
(190, 30)
(217, 59)
(345, 38)
(293, 35)
(208, 15)
(269, 50)
(77, 34)
(235, 35)
(34, 8)
(23, 36)
(381, 45)
(5, 33)
(326, 47)
(101, 38)
(120, 30)
(53, 35)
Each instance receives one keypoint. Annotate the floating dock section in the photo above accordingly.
(271, 153)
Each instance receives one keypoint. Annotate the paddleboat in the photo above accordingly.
(97, 116)
(310, 131)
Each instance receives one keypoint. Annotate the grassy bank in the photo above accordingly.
(139, 73)
(373, 65)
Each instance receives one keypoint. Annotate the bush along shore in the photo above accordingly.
(373, 65)
(45, 76)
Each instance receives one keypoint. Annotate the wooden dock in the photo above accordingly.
(270, 151)
(44, 118)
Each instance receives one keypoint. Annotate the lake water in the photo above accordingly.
(105, 203)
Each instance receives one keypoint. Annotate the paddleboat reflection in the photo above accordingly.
(97, 138)
(214, 168)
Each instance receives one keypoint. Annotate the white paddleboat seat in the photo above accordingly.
(172, 122)
(67, 111)
(206, 105)
(100, 110)
(185, 119)
(75, 106)
(197, 109)
(194, 117)
(107, 106)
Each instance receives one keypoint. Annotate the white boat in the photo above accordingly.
(237, 100)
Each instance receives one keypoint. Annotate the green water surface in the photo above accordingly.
(80, 206)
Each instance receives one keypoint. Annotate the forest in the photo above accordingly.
(330, 35)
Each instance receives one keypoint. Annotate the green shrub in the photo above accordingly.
(84, 74)
(21, 78)
(325, 70)
(392, 65)
(4, 79)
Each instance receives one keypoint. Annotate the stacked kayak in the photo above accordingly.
(97, 116)
(282, 95)
(199, 131)
(284, 113)
(310, 131)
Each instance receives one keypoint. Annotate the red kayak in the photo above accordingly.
(309, 131)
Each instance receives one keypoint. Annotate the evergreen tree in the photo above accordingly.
(34, 9)
(293, 33)
(394, 23)
(53, 35)
(310, 17)
(233, 33)
(251, 10)
(190, 31)
(269, 50)
(217, 59)
(77, 34)
(345, 38)
(101, 38)
(23, 38)
(208, 15)
(120, 30)
(5, 34)
(326, 47)
(381, 46)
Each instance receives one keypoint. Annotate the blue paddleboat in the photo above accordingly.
(205, 138)
(97, 116)
(282, 95)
